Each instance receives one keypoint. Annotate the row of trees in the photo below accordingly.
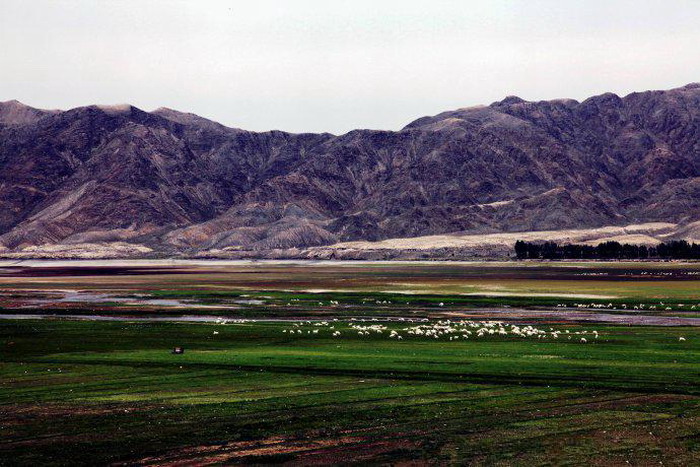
(678, 249)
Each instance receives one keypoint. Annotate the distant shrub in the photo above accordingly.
(677, 249)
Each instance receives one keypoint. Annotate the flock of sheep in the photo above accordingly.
(443, 329)
(623, 306)
(447, 330)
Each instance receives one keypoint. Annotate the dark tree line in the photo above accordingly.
(677, 249)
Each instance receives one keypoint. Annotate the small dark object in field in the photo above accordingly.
(178, 350)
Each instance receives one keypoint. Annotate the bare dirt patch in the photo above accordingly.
(320, 451)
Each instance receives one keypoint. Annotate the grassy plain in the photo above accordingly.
(96, 393)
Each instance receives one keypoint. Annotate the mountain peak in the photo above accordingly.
(510, 100)
(188, 118)
(14, 112)
(607, 98)
(117, 109)
(14, 102)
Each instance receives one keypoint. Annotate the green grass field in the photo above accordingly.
(98, 393)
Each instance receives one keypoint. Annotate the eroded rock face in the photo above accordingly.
(178, 182)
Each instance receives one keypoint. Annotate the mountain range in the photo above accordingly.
(169, 182)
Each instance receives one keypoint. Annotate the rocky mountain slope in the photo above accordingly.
(176, 182)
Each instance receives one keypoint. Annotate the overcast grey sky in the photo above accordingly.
(335, 65)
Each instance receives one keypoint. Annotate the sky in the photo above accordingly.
(336, 65)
